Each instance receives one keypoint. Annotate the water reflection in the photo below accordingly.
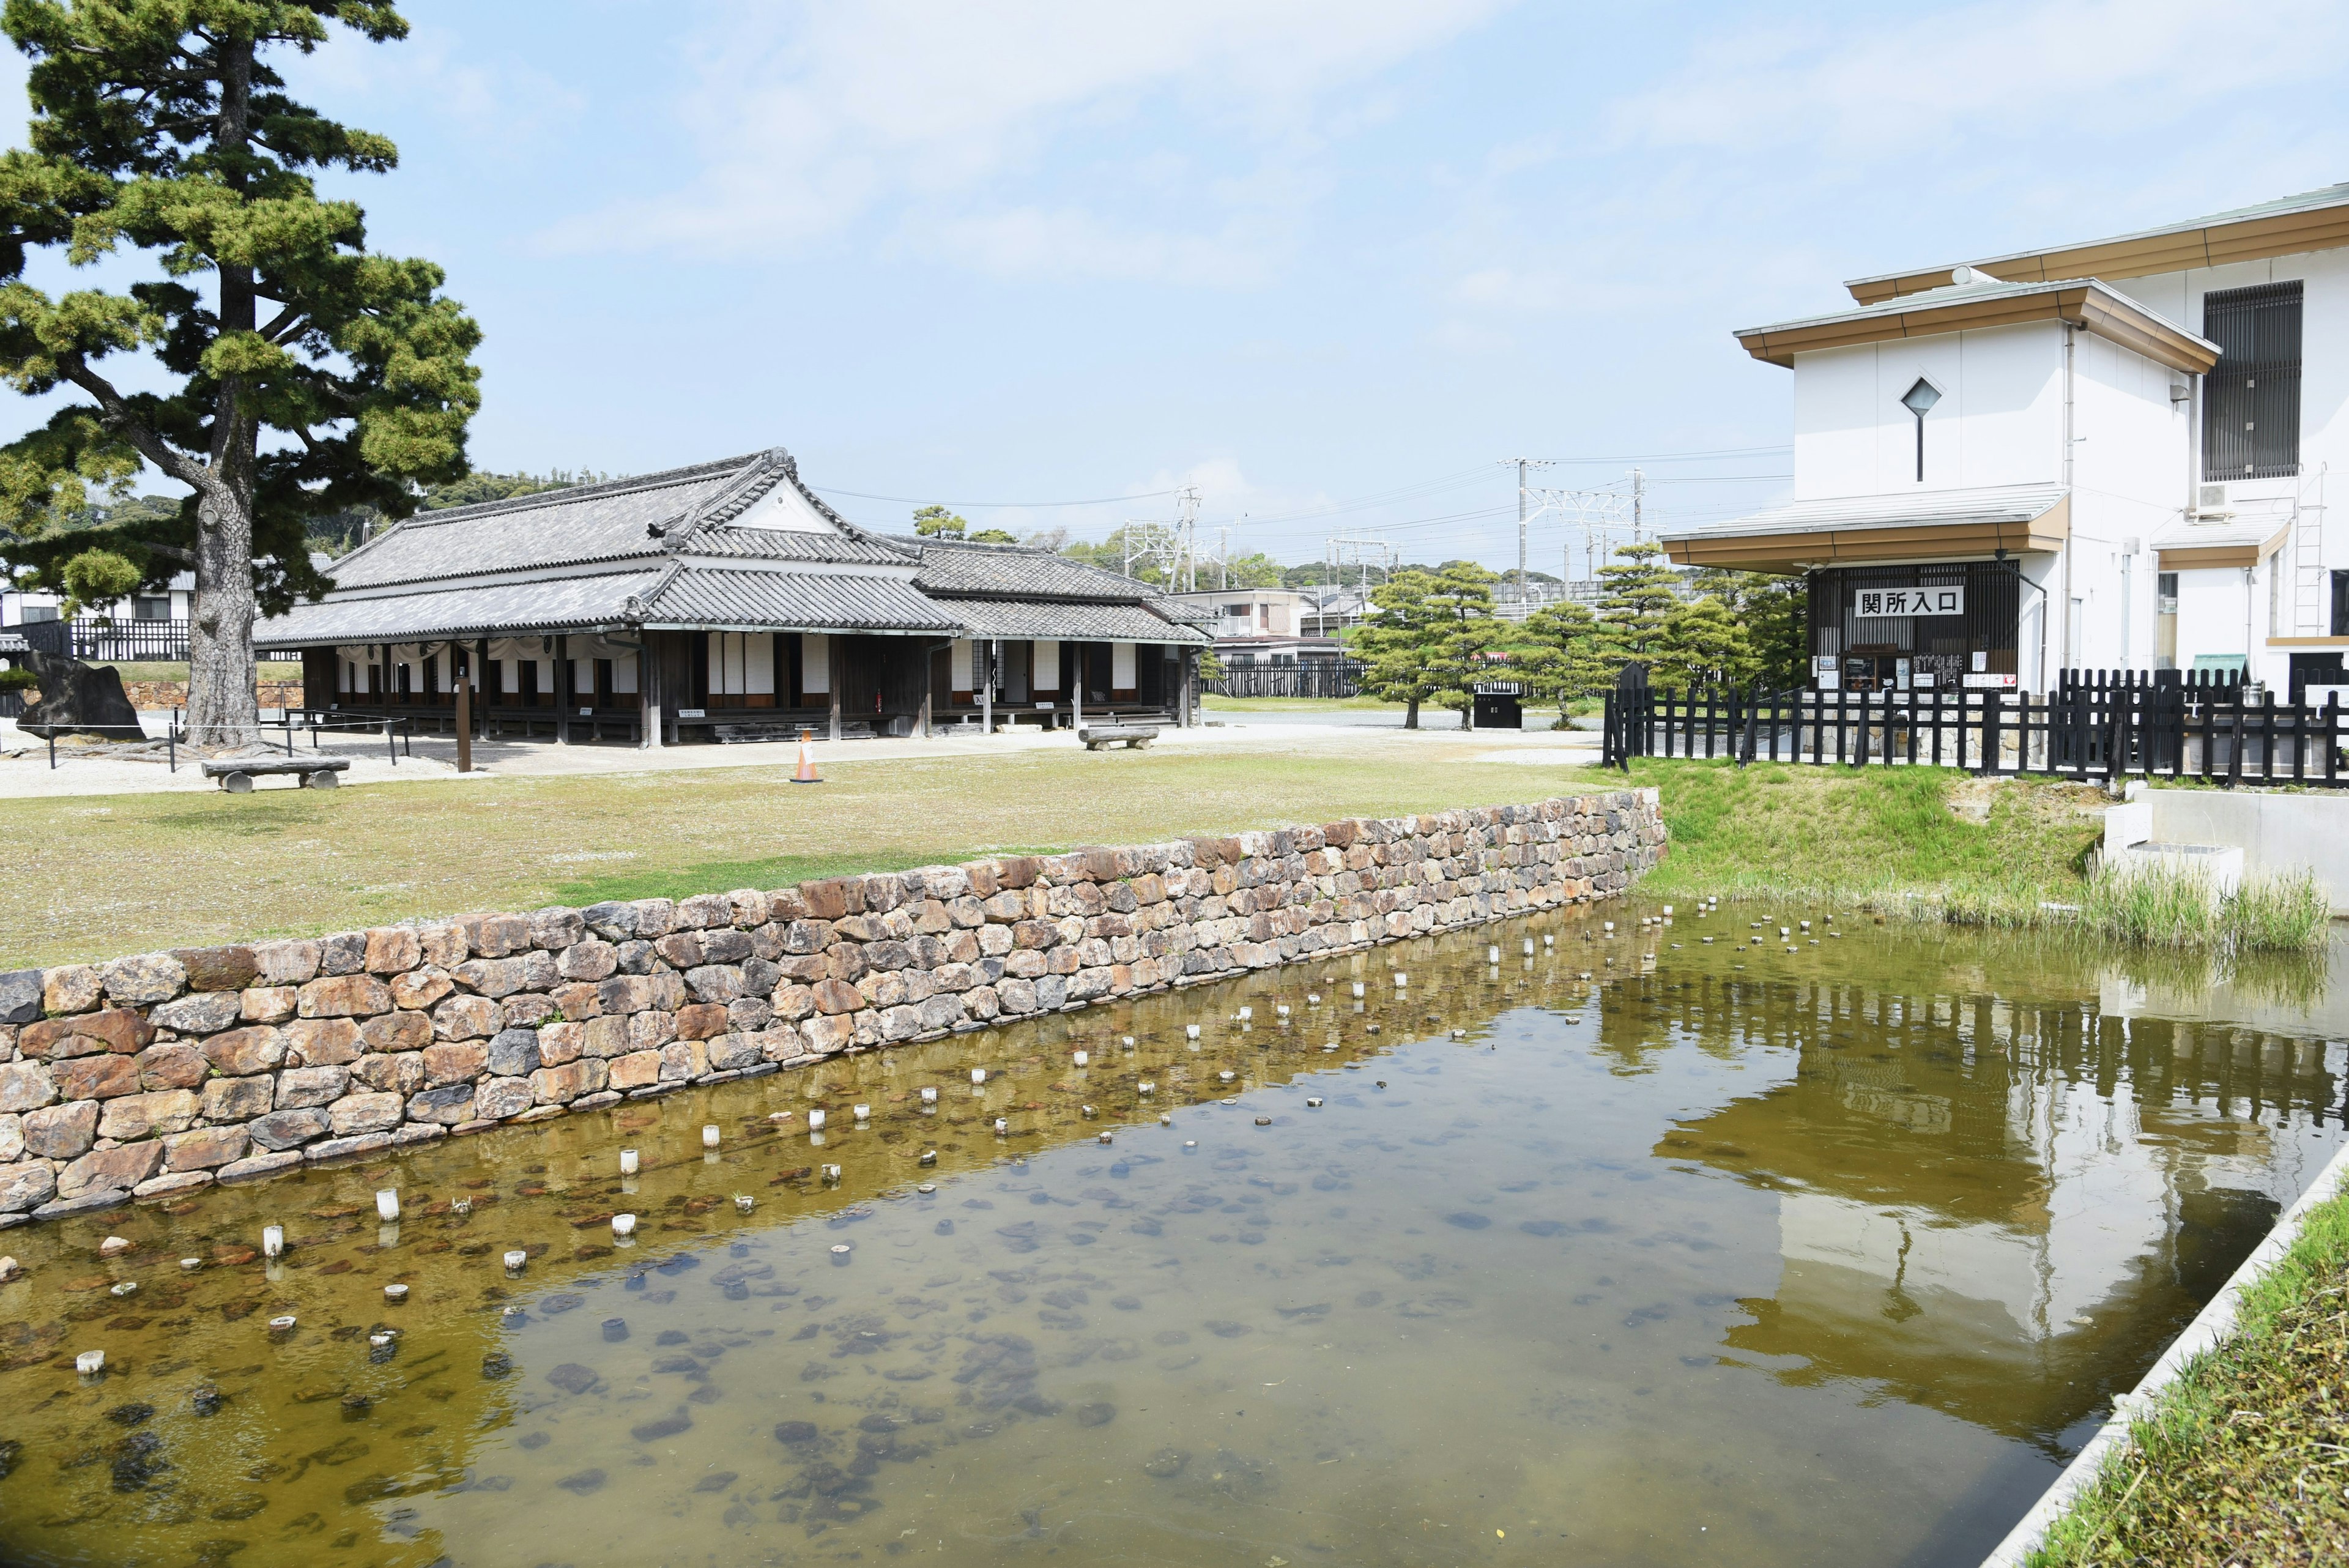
(1700, 1260)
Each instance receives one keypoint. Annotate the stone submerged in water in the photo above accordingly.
(796, 1432)
(1165, 1464)
(572, 1378)
(1096, 1413)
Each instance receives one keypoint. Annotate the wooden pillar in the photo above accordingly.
(562, 684)
(832, 663)
(650, 697)
(464, 723)
(929, 685)
(1076, 678)
(986, 689)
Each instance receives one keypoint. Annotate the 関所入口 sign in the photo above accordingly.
(1879, 603)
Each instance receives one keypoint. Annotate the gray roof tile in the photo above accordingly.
(792, 601)
(498, 609)
(1018, 618)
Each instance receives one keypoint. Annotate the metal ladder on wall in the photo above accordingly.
(2311, 585)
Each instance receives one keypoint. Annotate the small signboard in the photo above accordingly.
(1989, 681)
(692, 713)
(1888, 604)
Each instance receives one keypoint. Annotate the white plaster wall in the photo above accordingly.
(2128, 477)
(1999, 422)
(2210, 613)
(2277, 833)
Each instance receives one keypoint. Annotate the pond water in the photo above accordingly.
(1680, 1252)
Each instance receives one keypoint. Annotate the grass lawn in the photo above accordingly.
(1871, 834)
(93, 877)
(2240, 1463)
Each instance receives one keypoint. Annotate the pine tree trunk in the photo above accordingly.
(221, 711)
(1411, 718)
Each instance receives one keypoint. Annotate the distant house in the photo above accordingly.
(1264, 627)
(723, 600)
(2109, 456)
(150, 626)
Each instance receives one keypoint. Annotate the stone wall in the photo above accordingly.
(166, 1072)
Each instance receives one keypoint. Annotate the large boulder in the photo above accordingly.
(79, 699)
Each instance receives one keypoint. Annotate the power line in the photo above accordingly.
(979, 505)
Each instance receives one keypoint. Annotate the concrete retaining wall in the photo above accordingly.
(2277, 833)
(159, 1073)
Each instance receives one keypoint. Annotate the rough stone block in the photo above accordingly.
(392, 950)
(259, 1165)
(715, 982)
(69, 988)
(110, 1170)
(268, 1003)
(20, 996)
(285, 962)
(302, 1089)
(834, 997)
(149, 1115)
(345, 996)
(559, 1042)
(493, 977)
(199, 1013)
(241, 1052)
(26, 1085)
(115, 1029)
(12, 1139)
(467, 1018)
(613, 921)
(239, 1099)
(218, 968)
(26, 1186)
(400, 1072)
(511, 1053)
(205, 1149)
(351, 1147)
(97, 1077)
(171, 1183)
(683, 1060)
(328, 1041)
(343, 953)
(447, 1105)
(365, 1113)
(730, 1052)
(555, 927)
(588, 960)
(501, 1097)
(419, 989)
(559, 1086)
(635, 1070)
(456, 1063)
(146, 979)
(401, 1031)
(494, 936)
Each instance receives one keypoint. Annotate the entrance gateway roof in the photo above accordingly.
(1929, 525)
(736, 545)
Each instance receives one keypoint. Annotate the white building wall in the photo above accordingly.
(2129, 474)
(1999, 419)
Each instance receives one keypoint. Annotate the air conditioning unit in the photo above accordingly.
(2210, 501)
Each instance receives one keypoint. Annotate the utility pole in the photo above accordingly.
(1639, 490)
(1525, 581)
(1187, 502)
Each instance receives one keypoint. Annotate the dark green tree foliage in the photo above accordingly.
(937, 521)
(1703, 644)
(1426, 643)
(1638, 593)
(1564, 655)
(303, 376)
(1775, 612)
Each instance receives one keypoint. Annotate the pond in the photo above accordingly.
(1635, 1249)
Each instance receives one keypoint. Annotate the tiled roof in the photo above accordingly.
(1015, 571)
(790, 601)
(785, 544)
(500, 609)
(1016, 619)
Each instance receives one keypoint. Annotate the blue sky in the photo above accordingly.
(1327, 259)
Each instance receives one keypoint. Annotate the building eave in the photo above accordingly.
(2086, 303)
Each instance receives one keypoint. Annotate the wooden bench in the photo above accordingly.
(753, 733)
(236, 774)
(1112, 732)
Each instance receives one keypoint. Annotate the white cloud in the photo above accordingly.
(935, 115)
(1933, 82)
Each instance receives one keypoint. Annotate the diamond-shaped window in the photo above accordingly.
(1920, 398)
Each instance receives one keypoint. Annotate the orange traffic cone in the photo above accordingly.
(807, 773)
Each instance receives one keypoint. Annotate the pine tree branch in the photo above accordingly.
(119, 417)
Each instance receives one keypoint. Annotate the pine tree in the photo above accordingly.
(1702, 644)
(1463, 596)
(1564, 656)
(1638, 594)
(1426, 642)
(159, 128)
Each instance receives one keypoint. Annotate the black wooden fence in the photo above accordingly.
(109, 641)
(2098, 725)
(1308, 677)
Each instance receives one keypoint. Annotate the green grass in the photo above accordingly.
(2242, 1462)
(1895, 840)
(98, 877)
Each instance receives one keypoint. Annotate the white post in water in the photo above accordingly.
(273, 1240)
(386, 1205)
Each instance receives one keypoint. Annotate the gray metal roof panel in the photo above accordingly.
(1983, 504)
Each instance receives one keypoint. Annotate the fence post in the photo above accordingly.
(2332, 727)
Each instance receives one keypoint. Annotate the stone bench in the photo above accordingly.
(236, 774)
(1135, 737)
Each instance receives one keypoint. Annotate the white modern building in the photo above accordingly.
(2107, 456)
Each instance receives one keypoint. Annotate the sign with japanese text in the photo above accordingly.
(1881, 604)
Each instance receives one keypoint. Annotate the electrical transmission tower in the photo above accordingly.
(1361, 554)
(1171, 547)
(1596, 513)
(1524, 517)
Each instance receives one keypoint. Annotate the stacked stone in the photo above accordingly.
(159, 1073)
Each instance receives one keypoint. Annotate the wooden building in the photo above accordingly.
(724, 601)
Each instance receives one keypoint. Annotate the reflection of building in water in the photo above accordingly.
(1989, 1205)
